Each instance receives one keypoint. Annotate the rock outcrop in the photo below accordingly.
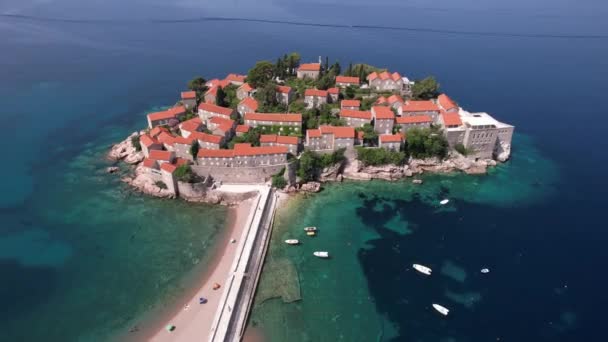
(112, 169)
(503, 152)
(145, 183)
(124, 149)
(311, 187)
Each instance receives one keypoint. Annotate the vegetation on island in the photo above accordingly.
(278, 179)
(461, 149)
(425, 89)
(252, 137)
(135, 143)
(426, 143)
(311, 164)
(198, 85)
(194, 147)
(161, 185)
(184, 173)
(380, 156)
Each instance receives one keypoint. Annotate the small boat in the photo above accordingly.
(202, 300)
(417, 181)
(422, 269)
(216, 286)
(485, 270)
(321, 254)
(310, 229)
(170, 328)
(292, 242)
(312, 233)
(444, 202)
(442, 310)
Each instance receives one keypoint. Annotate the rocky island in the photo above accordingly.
(297, 125)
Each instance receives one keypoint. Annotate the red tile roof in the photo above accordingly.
(384, 75)
(183, 141)
(395, 76)
(242, 128)
(349, 113)
(235, 78)
(267, 138)
(164, 115)
(394, 98)
(212, 91)
(160, 155)
(205, 153)
(279, 139)
(147, 141)
(338, 131)
(414, 119)
(165, 138)
(283, 89)
(191, 125)
(187, 95)
(381, 100)
(313, 133)
(181, 161)
(277, 117)
(386, 138)
(157, 130)
(347, 79)
(360, 135)
(382, 112)
(419, 106)
(223, 124)
(168, 167)
(217, 83)
(315, 92)
(372, 76)
(451, 119)
(150, 163)
(205, 137)
(333, 91)
(246, 87)
(209, 107)
(446, 102)
(250, 103)
(350, 103)
(310, 67)
(248, 150)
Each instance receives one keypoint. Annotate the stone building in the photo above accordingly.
(235, 79)
(446, 103)
(395, 101)
(390, 141)
(210, 95)
(385, 82)
(412, 108)
(284, 95)
(334, 95)
(249, 104)
(164, 117)
(242, 129)
(244, 91)
(485, 137)
(384, 119)
(188, 99)
(207, 110)
(280, 140)
(408, 122)
(208, 141)
(162, 156)
(148, 143)
(189, 126)
(315, 98)
(309, 70)
(330, 138)
(243, 155)
(345, 81)
(356, 118)
(274, 119)
(350, 104)
(221, 126)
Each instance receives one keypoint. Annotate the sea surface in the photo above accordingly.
(83, 258)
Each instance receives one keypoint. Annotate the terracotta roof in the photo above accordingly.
(414, 119)
(394, 98)
(333, 90)
(283, 89)
(279, 139)
(243, 128)
(315, 92)
(186, 95)
(205, 137)
(205, 153)
(350, 103)
(313, 133)
(167, 114)
(338, 131)
(446, 102)
(419, 106)
(372, 76)
(390, 138)
(191, 125)
(223, 124)
(211, 91)
(150, 163)
(250, 103)
(209, 107)
(451, 119)
(350, 113)
(235, 78)
(157, 130)
(381, 100)
(360, 134)
(168, 167)
(217, 83)
(278, 117)
(381, 112)
(181, 161)
(347, 79)
(160, 155)
(147, 141)
(165, 138)
(184, 141)
(395, 76)
(310, 67)
(246, 87)
(248, 150)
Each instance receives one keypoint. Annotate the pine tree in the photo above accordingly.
(349, 71)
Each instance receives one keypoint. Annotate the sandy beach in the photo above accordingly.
(193, 321)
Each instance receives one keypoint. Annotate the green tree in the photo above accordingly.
(335, 68)
(160, 184)
(380, 156)
(266, 97)
(426, 142)
(260, 74)
(230, 99)
(198, 85)
(307, 166)
(194, 148)
(278, 180)
(349, 92)
(220, 97)
(425, 89)
(326, 81)
(184, 173)
(297, 107)
(293, 62)
(369, 134)
(349, 71)
(461, 149)
(135, 143)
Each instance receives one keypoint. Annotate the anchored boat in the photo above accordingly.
(292, 242)
(310, 229)
(321, 254)
(422, 269)
(444, 202)
(311, 233)
(442, 310)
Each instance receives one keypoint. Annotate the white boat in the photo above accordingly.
(442, 310)
(292, 242)
(310, 229)
(422, 269)
(485, 270)
(321, 254)
(444, 202)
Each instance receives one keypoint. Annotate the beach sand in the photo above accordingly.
(193, 320)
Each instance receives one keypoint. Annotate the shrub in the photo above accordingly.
(379, 156)
(426, 142)
(135, 143)
(184, 174)
(461, 149)
(160, 184)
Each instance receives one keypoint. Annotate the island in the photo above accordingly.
(285, 127)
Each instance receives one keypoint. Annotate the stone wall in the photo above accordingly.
(259, 174)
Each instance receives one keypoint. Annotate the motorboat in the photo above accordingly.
(310, 229)
(292, 242)
(441, 309)
(422, 269)
(485, 270)
(321, 254)
(311, 233)
(444, 202)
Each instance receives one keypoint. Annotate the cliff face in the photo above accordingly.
(125, 151)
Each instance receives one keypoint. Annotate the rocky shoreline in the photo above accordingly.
(351, 169)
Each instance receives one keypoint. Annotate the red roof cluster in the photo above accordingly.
(165, 138)
(241, 150)
(205, 137)
(279, 139)
(338, 131)
(315, 92)
(419, 106)
(386, 138)
(217, 83)
(188, 95)
(384, 76)
(446, 103)
(250, 103)
(191, 125)
(313, 133)
(383, 113)
(222, 123)
(147, 141)
(381, 100)
(358, 114)
(276, 117)
(209, 107)
(347, 79)
(310, 67)
(150, 163)
(168, 167)
(414, 119)
(451, 119)
(157, 130)
(350, 103)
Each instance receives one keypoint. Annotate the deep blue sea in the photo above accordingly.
(81, 257)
